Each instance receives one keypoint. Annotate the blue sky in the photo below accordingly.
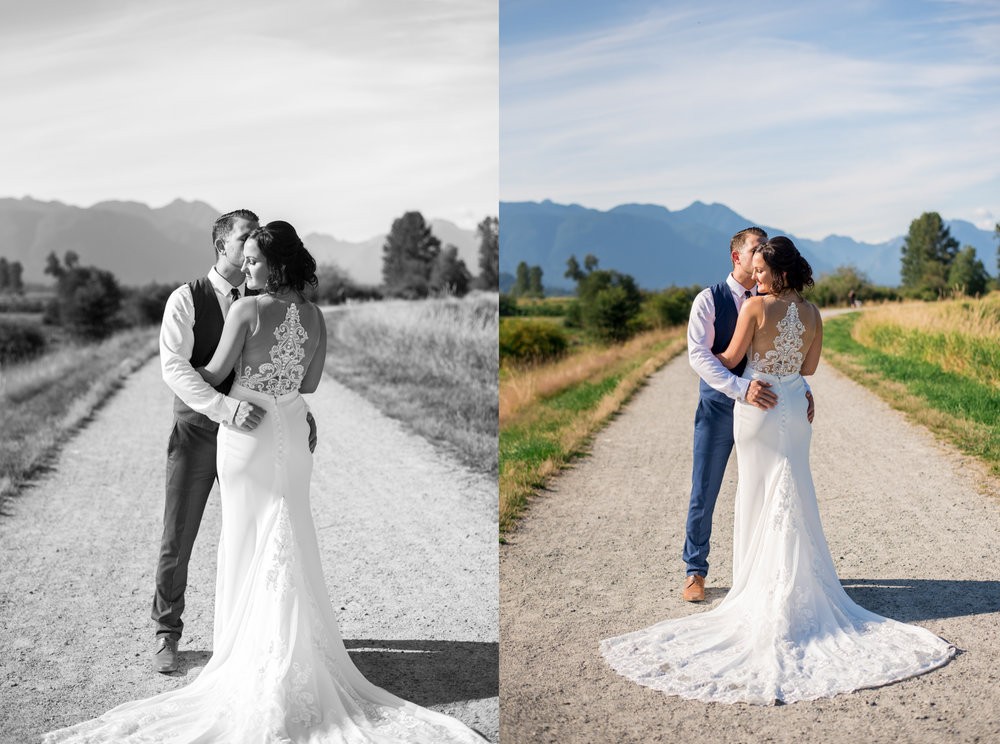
(847, 118)
(337, 116)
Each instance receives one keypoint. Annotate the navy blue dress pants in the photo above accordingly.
(713, 443)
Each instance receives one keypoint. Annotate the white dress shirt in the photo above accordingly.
(177, 344)
(701, 336)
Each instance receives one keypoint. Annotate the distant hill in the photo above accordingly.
(689, 246)
(170, 244)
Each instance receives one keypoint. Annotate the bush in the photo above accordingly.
(672, 306)
(508, 306)
(144, 306)
(834, 289)
(20, 341)
(530, 341)
(335, 287)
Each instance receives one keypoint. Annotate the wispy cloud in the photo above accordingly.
(766, 111)
(341, 114)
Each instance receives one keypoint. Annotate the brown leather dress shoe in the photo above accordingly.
(694, 588)
(165, 656)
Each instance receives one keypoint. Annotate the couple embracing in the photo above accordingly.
(786, 630)
(239, 347)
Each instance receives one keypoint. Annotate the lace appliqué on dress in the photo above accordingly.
(786, 356)
(284, 373)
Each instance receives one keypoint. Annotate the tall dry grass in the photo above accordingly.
(43, 401)
(550, 411)
(521, 386)
(960, 336)
(432, 364)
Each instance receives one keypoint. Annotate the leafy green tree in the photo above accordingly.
(928, 252)
(449, 274)
(535, 288)
(408, 257)
(523, 281)
(608, 305)
(489, 254)
(968, 273)
(4, 273)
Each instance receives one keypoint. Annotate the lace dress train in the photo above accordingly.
(787, 630)
(279, 670)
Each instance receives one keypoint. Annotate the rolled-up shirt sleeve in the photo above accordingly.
(176, 345)
(701, 336)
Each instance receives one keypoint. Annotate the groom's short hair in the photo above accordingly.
(224, 224)
(736, 244)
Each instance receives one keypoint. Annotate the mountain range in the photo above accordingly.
(169, 244)
(660, 247)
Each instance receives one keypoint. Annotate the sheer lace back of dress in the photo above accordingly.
(779, 346)
(282, 369)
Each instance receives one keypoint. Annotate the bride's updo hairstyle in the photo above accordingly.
(289, 265)
(790, 269)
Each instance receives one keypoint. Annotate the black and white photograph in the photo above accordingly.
(249, 372)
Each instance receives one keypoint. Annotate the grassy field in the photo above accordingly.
(549, 412)
(431, 364)
(937, 362)
(44, 400)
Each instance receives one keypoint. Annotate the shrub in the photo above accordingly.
(530, 341)
(508, 306)
(20, 341)
(144, 306)
(672, 306)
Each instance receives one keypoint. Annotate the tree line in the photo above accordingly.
(10, 276)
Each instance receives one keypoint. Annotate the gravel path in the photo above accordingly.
(912, 527)
(409, 553)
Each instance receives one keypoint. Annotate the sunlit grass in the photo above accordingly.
(431, 364)
(549, 412)
(44, 400)
(928, 361)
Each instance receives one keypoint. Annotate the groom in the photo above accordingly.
(710, 329)
(191, 330)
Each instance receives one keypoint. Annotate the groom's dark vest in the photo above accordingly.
(725, 325)
(208, 322)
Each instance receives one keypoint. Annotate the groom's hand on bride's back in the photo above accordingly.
(248, 415)
(759, 394)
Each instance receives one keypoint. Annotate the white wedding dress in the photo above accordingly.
(279, 671)
(787, 630)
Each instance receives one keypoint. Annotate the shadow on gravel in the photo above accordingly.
(910, 600)
(430, 672)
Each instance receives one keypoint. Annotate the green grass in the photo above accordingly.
(964, 410)
(550, 430)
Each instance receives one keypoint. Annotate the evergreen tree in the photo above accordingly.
(573, 270)
(535, 288)
(4, 273)
(449, 274)
(968, 273)
(14, 281)
(489, 254)
(928, 252)
(408, 257)
(523, 280)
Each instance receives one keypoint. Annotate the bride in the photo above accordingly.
(787, 630)
(279, 670)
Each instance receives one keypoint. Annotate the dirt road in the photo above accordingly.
(409, 553)
(913, 536)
